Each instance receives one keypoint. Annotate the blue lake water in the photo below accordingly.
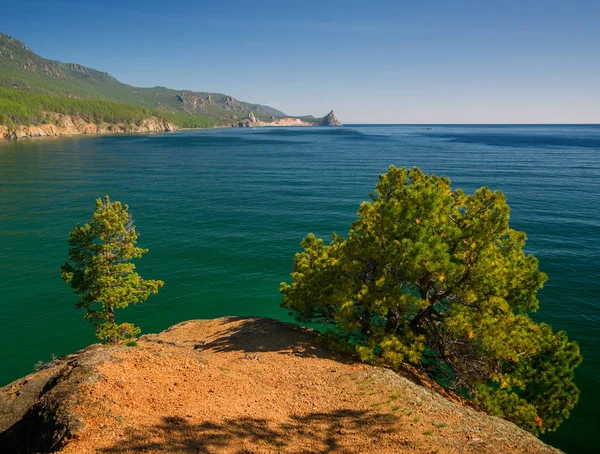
(223, 212)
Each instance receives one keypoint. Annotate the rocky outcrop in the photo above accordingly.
(229, 101)
(330, 120)
(73, 125)
(240, 385)
(250, 122)
(287, 121)
(79, 69)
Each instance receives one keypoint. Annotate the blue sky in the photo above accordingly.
(373, 62)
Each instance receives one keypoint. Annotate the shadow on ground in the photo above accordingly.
(315, 432)
(258, 335)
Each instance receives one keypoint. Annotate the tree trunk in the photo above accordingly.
(416, 324)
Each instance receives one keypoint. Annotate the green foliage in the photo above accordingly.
(102, 271)
(22, 69)
(41, 365)
(187, 121)
(436, 277)
(22, 108)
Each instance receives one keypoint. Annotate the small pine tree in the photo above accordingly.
(102, 271)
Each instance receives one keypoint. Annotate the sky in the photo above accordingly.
(425, 61)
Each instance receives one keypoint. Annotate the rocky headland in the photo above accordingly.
(234, 385)
(253, 122)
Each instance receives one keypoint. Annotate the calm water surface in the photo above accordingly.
(223, 212)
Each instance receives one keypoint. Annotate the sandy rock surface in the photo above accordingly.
(73, 125)
(240, 385)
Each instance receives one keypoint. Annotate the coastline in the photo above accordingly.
(108, 129)
(69, 125)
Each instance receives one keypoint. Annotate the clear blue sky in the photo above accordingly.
(372, 61)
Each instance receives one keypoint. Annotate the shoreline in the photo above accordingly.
(63, 125)
(5, 133)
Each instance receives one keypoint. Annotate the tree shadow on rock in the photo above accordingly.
(314, 432)
(258, 335)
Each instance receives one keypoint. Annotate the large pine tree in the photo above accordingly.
(435, 277)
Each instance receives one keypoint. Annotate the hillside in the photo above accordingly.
(239, 385)
(22, 69)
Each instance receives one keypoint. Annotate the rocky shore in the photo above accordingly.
(74, 125)
(63, 125)
(252, 122)
(235, 385)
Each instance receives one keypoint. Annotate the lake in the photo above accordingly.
(223, 211)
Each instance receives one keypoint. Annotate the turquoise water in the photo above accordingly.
(223, 211)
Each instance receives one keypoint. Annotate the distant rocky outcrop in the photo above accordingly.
(79, 69)
(73, 125)
(330, 120)
(229, 100)
(240, 385)
(250, 122)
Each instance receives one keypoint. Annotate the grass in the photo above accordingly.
(131, 343)
(427, 432)
(44, 364)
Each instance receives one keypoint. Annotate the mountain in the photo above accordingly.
(22, 69)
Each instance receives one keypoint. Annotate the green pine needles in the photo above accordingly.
(102, 271)
(435, 277)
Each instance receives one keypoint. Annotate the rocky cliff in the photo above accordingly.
(239, 385)
(73, 125)
(330, 120)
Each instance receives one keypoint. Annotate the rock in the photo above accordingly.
(73, 125)
(330, 120)
(168, 395)
(79, 69)
(228, 100)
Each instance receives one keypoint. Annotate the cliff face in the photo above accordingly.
(73, 125)
(239, 385)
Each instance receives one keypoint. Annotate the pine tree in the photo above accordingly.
(436, 277)
(102, 271)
